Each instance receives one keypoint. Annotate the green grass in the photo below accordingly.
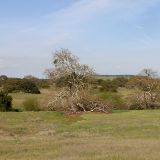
(122, 135)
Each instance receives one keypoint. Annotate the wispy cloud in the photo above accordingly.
(80, 11)
(67, 22)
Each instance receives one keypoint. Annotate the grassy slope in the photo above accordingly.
(132, 135)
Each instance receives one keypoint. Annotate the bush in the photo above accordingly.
(16, 85)
(29, 87)
(40, 83)
(115, 99)
(11, 85)
(120, 81)
(31, 104)
(111, 85)
(5, 102)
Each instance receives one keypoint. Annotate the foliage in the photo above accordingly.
(5, 102)
(29, 87)
(16, 85)
(31, 104)
(40, 83)
(115, 99)
(120, 81)
(111, 85)
(11, 85)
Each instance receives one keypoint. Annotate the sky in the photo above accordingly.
(112, 36)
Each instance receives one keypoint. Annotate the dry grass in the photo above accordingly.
(133, 135)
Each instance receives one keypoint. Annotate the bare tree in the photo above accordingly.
(148, 73)
(147, 86)
(76, 89)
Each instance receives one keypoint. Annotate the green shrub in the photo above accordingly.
(31, 104)
(115, 99)
(120, 81)
(111, 85)
(5, 102)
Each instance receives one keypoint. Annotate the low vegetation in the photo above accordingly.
(31, 104)
(20, 85)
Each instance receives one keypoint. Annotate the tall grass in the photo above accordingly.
(31, 104)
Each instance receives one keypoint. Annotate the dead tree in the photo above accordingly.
(147, 85)
(76, 84)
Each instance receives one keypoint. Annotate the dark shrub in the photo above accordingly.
(29, 87)
(40, 83)
(16, 85)
(5, 102)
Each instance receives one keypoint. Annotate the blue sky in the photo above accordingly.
(112, 36)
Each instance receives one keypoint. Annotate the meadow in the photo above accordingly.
(43, 135)
(121, 135)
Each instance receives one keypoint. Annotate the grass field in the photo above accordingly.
(122, 135)
(43, 98)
